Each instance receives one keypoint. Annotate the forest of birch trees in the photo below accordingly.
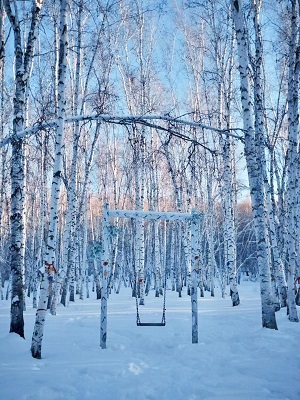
(159, 105)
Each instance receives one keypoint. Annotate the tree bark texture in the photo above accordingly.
(254, 169)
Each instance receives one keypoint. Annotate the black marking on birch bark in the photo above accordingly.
(236, 5)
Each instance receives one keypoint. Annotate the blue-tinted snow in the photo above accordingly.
(235, 358)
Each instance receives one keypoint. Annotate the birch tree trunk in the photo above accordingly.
(227, 200)
(254, 168)
(23, 62)
(105, 265)
(229, 228)
(40, 236)
(210, 235)
(259, 112)
(278, 264)
(157, 261)
(292, 238)
(195, 259)
(178, 257)
(2, 46)
(3, 152)
(142, 150)
(50, 257)
(84, 266)
(172, 254)
(72, 199)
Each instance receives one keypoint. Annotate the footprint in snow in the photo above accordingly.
(135, 369)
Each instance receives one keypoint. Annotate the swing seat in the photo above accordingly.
(150, 323)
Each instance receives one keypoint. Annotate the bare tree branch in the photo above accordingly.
(128, 120)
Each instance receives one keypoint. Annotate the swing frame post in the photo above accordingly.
(105, 274)
(194, 273)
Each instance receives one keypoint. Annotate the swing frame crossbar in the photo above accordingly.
(193, 218)
(151, 215)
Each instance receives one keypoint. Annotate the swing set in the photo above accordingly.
(193, 218)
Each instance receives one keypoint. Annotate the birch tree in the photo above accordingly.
(222, 45)
(23, 53)
(292, 234)
(254, 146)
(135, 73)
(69, 246)
(50, 257)
(3, 152)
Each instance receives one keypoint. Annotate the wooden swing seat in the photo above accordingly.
(150, 323)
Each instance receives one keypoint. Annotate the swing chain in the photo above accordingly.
(163, 320)
(138, 321)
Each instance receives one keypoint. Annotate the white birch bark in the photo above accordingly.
(84, 265)
(178, 259)
(114, 245)
(195, 260)
(72, 198)
(164, 255)
(210, 235)
(278, 264)
(2, 47)
(96, 274)
(157, 262)
(60, 289)
(254, 169)
(140, 224)
(229, 226)
(74, 208)
(85, 202)
(260, 126)
(2, 151)
(122, 260)
(22, 70)
(227, 176)
(172, 254)
(105, 274)
(40, 238)
(50, 257)
(178, 238)
(292, 238)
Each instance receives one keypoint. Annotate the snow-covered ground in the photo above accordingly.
(234, 359)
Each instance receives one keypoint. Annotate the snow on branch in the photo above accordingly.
(127, 120)
(153, 215)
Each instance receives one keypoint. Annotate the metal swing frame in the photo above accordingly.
(193, 218)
